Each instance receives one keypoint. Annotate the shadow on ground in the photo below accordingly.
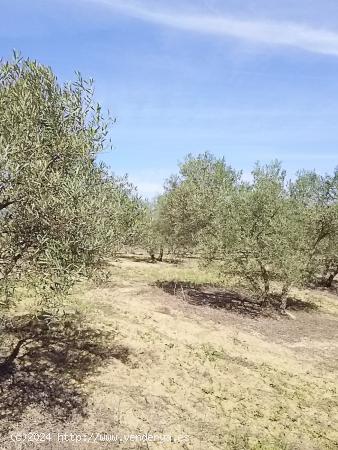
(135, 258)
(147, 259)
(333, 289)
(52, 366)
(218, 298)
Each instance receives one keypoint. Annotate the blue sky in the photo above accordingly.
(246, 79)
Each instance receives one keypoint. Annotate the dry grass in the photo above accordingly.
(209, 377)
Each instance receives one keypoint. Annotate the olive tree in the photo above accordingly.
(190, 202)
(254, 232)
(273, 232)
(317, 206)
(60, 212)
(152, 237)
(124, 210)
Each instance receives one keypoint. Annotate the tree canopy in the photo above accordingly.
(274, 232)
(60, 211)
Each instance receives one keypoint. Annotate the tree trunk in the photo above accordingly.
(7, 367)
(284, 298)
(265, 277)
(160, 256)
(328, 279)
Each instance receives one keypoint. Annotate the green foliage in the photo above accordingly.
(273, 233)
(317, 201)
(190, 202)
(258, 232)
(152, 237)
(60, 212)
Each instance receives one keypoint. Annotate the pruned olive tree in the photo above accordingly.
(190, 202)
(124, 212)
(273, 232)
(257, 234)
(60, 212)
(316, 197)
(152, 238)
(254, 229)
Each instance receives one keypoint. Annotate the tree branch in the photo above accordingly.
(6, 203)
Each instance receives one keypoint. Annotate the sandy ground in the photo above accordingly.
(199, 375)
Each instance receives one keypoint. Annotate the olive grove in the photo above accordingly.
(62, 213)
(272, 232)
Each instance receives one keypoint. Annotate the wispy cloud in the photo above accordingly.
(268, 32)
